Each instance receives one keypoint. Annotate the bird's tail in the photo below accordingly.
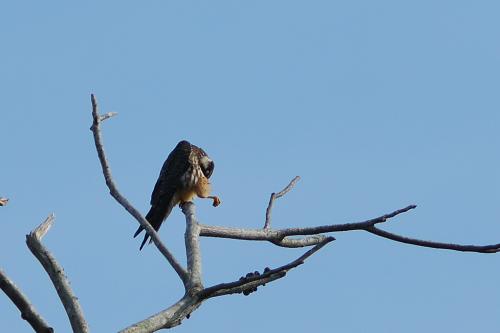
(155, 217)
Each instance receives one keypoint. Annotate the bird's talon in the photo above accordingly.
(216, 201)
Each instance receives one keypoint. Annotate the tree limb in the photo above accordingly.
(280, 236)
(174, 315)
(95, 128)
(345, 227)
(436, 245)
(167, 318)
(28, 311)
(195, 294)
(193, 252)
(56, 274)
(253, 281)
(300, 242)
(277, 235)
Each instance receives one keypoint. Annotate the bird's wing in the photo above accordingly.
(169, 181)
(175, 166)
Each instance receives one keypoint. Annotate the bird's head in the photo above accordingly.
(207, 166)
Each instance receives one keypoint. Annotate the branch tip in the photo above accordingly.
(494, 248)
(40, 231)
(288, 188)
(107, 116)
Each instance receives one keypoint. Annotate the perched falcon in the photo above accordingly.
(183, 176)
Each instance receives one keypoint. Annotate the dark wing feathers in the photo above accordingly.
(174, 167)
(168, 183)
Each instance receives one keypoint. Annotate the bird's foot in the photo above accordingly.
(216, 201)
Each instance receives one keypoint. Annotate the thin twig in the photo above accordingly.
(267, 223)
(95, 128)
(56, 274)
(275, 196)
(288, 188)
(107, 116)
(258, 280)
(494, 248)
(28, 311)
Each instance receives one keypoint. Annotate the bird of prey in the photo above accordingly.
(183, 176)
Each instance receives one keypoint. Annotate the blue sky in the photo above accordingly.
(375, 104)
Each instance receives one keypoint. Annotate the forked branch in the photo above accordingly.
(182, 309)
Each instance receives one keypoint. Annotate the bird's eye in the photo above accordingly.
(208, 169)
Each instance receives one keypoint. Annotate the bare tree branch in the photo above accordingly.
(193, 252)
(174, 315)
(28, 311)
(270, 235)
(345, 227)
(447, 246)
(300, 242)
(275, 196)
(195, 294)
(95, 128)
(278, 235)
(167, 318)
(56, 274)
(255, 280)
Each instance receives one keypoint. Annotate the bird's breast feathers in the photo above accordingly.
(194, 183)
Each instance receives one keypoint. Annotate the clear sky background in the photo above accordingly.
(375, 104)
